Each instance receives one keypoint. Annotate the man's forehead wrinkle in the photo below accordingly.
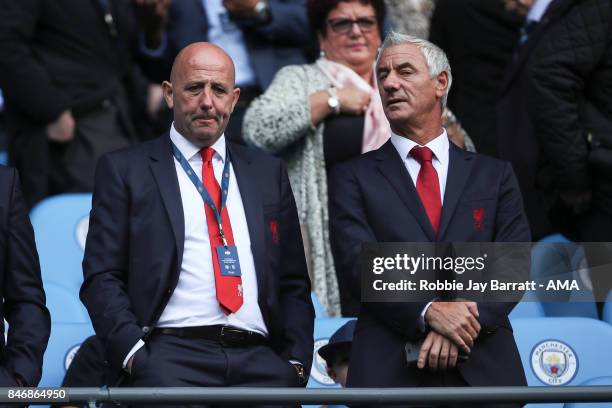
(199, 65)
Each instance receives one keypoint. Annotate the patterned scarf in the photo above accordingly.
(376, 129)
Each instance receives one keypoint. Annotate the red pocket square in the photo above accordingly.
(274, 230)
(478, 215)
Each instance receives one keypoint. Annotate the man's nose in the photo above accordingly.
(206, 99)
(390, 83)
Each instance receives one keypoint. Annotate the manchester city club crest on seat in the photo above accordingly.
(554, 362)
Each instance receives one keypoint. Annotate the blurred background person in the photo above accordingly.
(24, 339)
(479, 37)
(3, 135)
(572, 111)
(516, 135)
(70, 85)
(261, 36)
(321, 114)
(337, 352)
(411, 16)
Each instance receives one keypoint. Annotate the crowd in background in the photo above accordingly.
(532, 85)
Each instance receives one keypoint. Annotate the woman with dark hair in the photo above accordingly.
(320, 114)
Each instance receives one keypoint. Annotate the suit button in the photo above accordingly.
(492, 330)
(146, 329)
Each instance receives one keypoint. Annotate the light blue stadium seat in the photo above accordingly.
(607, 311)
(64, 304)
(60, 226)
(593, 381)
(529, 306)
(63, 344)
(555, 257)
(318, 307)
(563, 350)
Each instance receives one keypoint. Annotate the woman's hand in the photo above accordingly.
(353, 101)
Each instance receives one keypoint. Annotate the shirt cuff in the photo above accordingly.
(422, 324)
(153, 53)
(133, 351)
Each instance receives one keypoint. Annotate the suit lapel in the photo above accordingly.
(164, 172)
(393, 169)
(246, 175)
(459, 168)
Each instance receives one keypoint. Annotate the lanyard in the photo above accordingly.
(202, 190)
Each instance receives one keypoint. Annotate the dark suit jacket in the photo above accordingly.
(21, 287)
(60, 55)
(375, 200)
(270, 46)
(516, 136)
(135, 246)
(478, 37)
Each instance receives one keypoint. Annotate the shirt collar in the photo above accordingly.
(439, 146)
(191, 151)
(537, 10)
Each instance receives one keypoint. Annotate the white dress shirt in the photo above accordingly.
(439, 146)
(537, 10)
(194, 301)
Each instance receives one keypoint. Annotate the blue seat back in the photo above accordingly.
(64, 342)
(563, 351)
(60, 225)
(64, 304)
(318, 307)
(593, 381)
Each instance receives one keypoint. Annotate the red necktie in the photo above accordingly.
(229, 288)
(428, 185)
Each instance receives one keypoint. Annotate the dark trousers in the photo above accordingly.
(170, 361)
(449, 378)
(6, 378)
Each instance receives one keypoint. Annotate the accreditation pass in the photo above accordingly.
(28, 395)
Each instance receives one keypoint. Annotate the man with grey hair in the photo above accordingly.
(418, 187)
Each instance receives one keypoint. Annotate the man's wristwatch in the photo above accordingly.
(262, 12)
(333, 101)
(299, 368)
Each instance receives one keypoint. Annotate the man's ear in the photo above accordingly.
(441, 84)
(168, 94)
(236, 96)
